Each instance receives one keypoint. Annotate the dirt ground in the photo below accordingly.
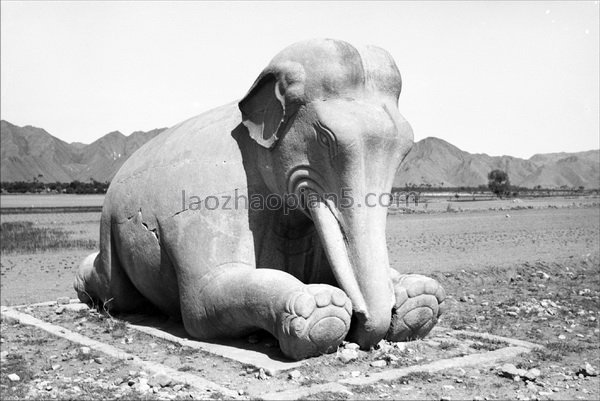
(532, 275)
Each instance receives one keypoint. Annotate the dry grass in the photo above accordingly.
(23, 237)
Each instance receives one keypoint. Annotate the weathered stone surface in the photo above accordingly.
(322, 117)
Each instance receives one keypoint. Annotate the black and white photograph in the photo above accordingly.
(292, 200)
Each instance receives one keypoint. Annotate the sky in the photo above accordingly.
(502, 78)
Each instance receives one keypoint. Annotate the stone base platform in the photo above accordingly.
(443, 349)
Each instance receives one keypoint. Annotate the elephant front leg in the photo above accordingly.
(307, 320)
(419, 304)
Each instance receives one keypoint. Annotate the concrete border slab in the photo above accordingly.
(172, 331)
(198, 383)
(237, 353)
(481, 359)
(272, 362)
(306, 392)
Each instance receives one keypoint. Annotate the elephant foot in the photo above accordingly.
(83, 279)
(315, 321)
(419, 304)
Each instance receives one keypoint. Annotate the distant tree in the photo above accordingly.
(498, 182)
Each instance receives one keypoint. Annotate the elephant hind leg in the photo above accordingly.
(419, 304)
(101, 282)
(84, 278)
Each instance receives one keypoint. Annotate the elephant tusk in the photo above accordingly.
(334, 243)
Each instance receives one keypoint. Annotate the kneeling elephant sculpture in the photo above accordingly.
(199, 224)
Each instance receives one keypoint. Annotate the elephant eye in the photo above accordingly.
(326, 138)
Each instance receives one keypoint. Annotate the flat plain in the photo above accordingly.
(64, 200)
(510, 270)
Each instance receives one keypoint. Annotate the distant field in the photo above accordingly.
(436, 204)
(10, 201)
(480, 240)
(432, 204)
(423, 243)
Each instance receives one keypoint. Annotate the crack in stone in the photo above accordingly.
(154, 231)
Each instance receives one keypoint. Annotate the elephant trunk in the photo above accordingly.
(355, 245)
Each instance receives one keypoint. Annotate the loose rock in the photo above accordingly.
(160, 380)
(353, 346)
(85, 350)
(532, 374)
(383, 346)
(347, 355)
(63, 300)
(13, 377)
(294, 375)
(262, 375)
(509, 370)
(587, 370)
(378, 364)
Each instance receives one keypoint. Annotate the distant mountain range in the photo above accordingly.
(28, 152)
(434, 161)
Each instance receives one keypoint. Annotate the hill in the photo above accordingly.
(438, 163)
(29, 152)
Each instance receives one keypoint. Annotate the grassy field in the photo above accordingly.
(24, 237)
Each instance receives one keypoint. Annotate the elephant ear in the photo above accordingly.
(263, 110)
(272, 100)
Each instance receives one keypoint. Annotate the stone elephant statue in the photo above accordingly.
(270, 213)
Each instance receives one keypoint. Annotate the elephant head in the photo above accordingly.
(325, 119)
